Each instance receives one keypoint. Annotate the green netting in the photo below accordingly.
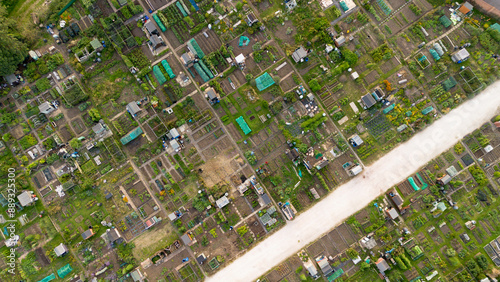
(388, 109)
(434, 54)
(131, 136)
(343, 5)
(48, 278)
(445, 21)
(167, 67)
(194, 47)
(200, 71)
(206, 69)
(159, 75)
(496, 27)
(185, 8)
(66, 7)
(184, 14)
(413, 184)
(337, 273)
(244, 41)
(159, 22)
(243, 125)
(63, 271)
(424, 185)
(427, 110)
(264, 81)
(449, 83)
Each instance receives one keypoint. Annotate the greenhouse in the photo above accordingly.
(131, 136)
(65, 270)
(195, 48)
(48, 278)
(243, 125)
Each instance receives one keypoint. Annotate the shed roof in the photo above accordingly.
(357, 140)
(311, 268)
(174, 133)
(45, 107)
(382, 265)
(222, 202)
(25, 198)
(150, 26)
(460, 55)
(356, 170)
(87, 234)
(60, 250)
(240, 58)
(113, 235)
(266, 199)
(368, 100)
(98, 128)
(186, 239)
(211, 95)
(201, 259)
(299, 54)
(133, 108)
(174, 144)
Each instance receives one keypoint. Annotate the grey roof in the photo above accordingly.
(468, 6)
(222, 202)
(340, 40)
(98, 128)
(155, 40)
(60, 250)
(25, 198)
(460, 55)
(11, 78)
(185, 239)
(356, 139)
(368, 100)
(150, 26)
(445, 179)
(113, 235)
(299, 54)
(201, 259)
(174, 133)
(392, 213)
(87, 234)
(311, 268)
(187, 58)
(133, 108)
(266, 199)
(382, 265)
(452, 171)
(46, 107)
(211, 94)
(174, 144)
(325, 266)
(136, 275)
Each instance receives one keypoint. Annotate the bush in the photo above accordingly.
(314, 85)
(43, 84)
(400, 263)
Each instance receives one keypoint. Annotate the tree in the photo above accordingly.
(75, 143)
(248, 77)
(314, 85)
(302, 148)
(450, 252)
(364, 266)
(12, 50)
(482, 261)
(350, 57)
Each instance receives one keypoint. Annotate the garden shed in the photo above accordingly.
(299, 54)
(460, 56)
(60, 250)
(368, 101)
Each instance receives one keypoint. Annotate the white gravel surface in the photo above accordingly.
(360, 191)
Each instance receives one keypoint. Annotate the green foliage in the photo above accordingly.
(252, 159)
(28, 141)
(242, 230)
(200, 202)
(12, 51)
(94, 114)
(478, 175)
(482, 261)
(400, 263)
(459, 148)
(75, 143)
(349, 56)
(314, 122)
(314, 85)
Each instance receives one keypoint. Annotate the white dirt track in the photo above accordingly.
(360, 191)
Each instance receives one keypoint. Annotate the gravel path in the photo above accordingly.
(359, 192)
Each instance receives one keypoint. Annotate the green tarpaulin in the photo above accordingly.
(201, 72)
(131, 136)
(159, 22)
(205, 69)
(159, 75)
(449, 83)
(243, 41)
(243, 125)
(48, 278)
(184, 14)
(264, 81)
(434, 54)
(63, 271)
(343, 5)
(167, 67)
